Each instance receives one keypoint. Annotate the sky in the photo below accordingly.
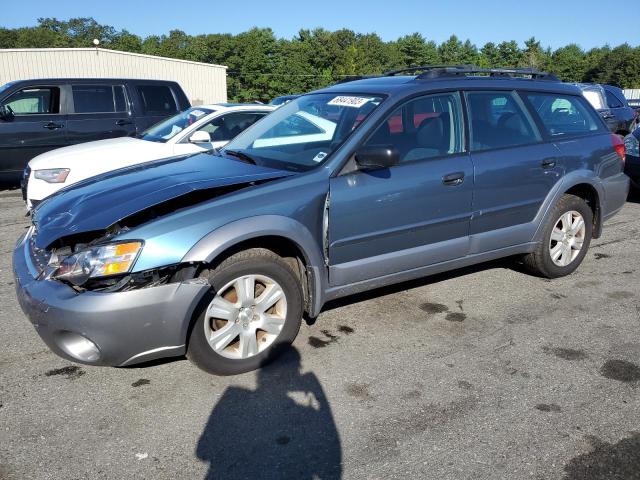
(554, 23)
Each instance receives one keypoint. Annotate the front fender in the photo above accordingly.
(225, 237)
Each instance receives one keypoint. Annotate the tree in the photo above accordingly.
(509, 54)
(489, 56)
(569, 63)
(534, 55)
(414, 51)
(451, 51)
(262, 66)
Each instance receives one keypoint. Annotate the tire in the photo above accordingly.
(540, 262)
(246, 312)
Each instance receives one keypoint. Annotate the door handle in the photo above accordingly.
(120, 123)
(453, 179)
(548, 163)
(53, 126)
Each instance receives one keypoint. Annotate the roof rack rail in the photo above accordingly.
(464, 70)
(425, 68)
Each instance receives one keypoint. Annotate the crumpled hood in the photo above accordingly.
(99, 202)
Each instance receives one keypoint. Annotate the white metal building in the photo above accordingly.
(632, 93)
(202, 82)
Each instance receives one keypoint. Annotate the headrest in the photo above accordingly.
(431, 133)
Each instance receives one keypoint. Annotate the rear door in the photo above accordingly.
(99, 110)
(154, 103)
(623, 115)
(38, 125)
(514, 169)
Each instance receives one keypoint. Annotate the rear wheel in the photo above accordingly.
(254, 309)
(565, 239)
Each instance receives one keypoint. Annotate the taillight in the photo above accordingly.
(618, 146)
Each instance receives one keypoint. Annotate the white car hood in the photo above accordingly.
(102, 155)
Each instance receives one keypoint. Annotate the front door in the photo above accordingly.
(37, 125)
(414, 214)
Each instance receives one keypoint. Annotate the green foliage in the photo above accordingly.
(262, 66)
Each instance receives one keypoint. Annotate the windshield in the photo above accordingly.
(282, 100)
(169, 128)
(303, 133)
(5, 87)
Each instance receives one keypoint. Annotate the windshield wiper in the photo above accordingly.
(241, 156)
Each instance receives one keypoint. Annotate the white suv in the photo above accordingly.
(194, 130)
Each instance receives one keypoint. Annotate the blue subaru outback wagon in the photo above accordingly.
(359, 185)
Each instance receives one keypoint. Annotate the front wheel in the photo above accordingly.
(565, 239)
(254, 309)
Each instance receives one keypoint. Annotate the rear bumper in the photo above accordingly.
(113, 329)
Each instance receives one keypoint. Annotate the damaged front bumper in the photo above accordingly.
(96, 328)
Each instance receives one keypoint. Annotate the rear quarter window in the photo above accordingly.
(564, 115)
(157, 99)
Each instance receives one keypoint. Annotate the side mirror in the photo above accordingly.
(200, 137)
(377, 157)
(6, 112)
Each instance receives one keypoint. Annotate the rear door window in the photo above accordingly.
(98, 98)
(157, 99)
(35, 100)
(564, 115)
(499, 120)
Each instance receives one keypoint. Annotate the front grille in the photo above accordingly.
(24, 182)
(39, 256)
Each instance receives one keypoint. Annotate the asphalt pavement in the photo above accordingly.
(481, 373)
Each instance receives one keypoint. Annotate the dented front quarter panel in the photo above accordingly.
(174, 237)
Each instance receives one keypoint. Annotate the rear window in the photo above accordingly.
(98, 98)
(157, 99)
(564, 115)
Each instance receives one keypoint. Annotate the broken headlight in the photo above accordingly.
(98, 261)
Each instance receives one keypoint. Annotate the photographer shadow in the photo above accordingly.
(282, 429)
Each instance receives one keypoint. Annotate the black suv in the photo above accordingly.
(40, 115)
(612, 106)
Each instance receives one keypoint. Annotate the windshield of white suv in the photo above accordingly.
(303, 133)
(5, 86)
(169, 128)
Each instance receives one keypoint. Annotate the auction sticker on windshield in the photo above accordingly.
(355, 102)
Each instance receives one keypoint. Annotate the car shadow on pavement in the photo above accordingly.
(634, 196)
(282, 429)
